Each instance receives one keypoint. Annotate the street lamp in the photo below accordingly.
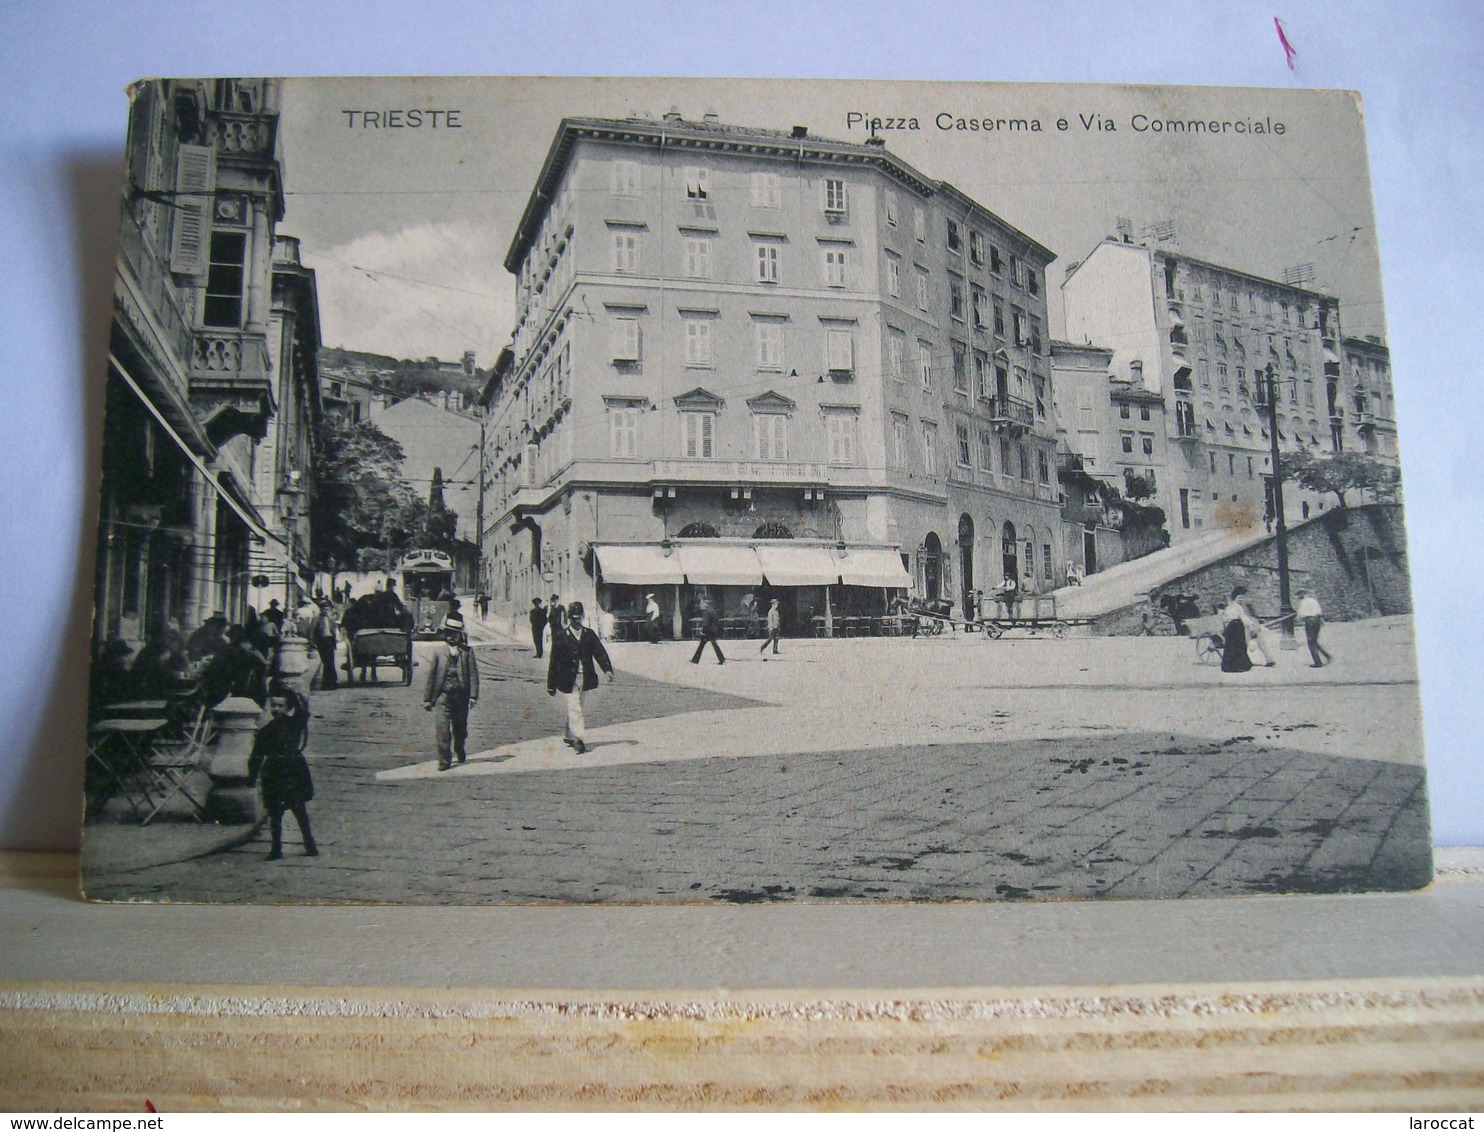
(1285, 598)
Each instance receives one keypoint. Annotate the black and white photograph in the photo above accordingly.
(643, 491)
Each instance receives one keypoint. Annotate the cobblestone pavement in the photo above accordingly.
(865, 770)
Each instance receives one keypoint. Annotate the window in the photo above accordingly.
(1143, 412)
(961, 433)
(1005, 456)
(978, 297)
(922, 289)
(834, 266)
(1043, 466)
(976, 248)
(623, 339)
(898, 441)
(919, 224)
(896, 354)
(925, 363)
(698, 434)
(834, 196)
(624, 179)
(996, 265)
(986, 450)
(769, 336)
(999, 318)
(770, 436)
(1213, 464)
(1025, 462)
(893, 276)
(1017, 324)
(1126, 441)
(625, 252)
(1035, 324)
(956, 298)
(1032, 284)
(840, 351)
(1015, 275)
(1147, 443)
(697, 341)
(623, 432)
(1221, 377)
(1249, 467)
(1039, 384)
(981, 375)
(697, 183)
(767, 263)
(225, 276)
(955, 238)
(891, 208)
(765, 191)
(960, 369)
(1123, 411)
(698, 257)
(930, 449)
(839, 430)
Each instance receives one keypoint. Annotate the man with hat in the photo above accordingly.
(538, 624)
(453, 685)
(576, 656)
(775, 626)
(652, 618)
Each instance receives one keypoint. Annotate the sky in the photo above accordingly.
(407, 229)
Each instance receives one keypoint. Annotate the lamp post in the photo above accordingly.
(1285, 598)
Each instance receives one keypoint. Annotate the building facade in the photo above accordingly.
(1203, 337)
(1367, 396)
(752, 359)
(210, 356)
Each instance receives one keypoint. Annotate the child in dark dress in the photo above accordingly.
(286, 782)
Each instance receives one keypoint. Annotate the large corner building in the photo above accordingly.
(757, 362)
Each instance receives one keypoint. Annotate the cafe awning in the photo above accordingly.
(881, 568)
(720, 565)
(639, 566)
(798, 565)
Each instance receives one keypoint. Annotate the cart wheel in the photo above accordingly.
(992, 632)
(1059, 630)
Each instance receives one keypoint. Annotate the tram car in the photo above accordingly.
(427, 586)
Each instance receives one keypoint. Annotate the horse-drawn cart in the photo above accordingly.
(372, 647)
(1032, 613)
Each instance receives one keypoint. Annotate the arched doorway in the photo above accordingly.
(966, 563)
(932, 567)
(1010, 551)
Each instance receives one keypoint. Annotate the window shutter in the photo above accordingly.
(195, 177)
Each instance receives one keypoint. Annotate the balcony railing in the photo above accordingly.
(229, 356)
(242, 135)
(741, 471)
(1012, 410)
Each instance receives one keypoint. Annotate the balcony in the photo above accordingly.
(251, 137)
(741, 471)
(1012, 411)
(1364, 418)
(231, 382)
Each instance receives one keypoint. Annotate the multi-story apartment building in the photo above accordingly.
(1203, 337)
(1367, 397)
(748, 358)
(1112, 429)
(211, 354)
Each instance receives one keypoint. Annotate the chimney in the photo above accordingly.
(443, 400)
(876, 139)
(711, 118)
(801, 131)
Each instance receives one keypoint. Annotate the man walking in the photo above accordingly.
(775, 625)
(538, 624)
(452, 688)
(322, 632)
(709, 633)
(576, 656)
(1311, 617)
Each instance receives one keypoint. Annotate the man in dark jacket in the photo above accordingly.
(710, 630)
(453, 685)
(576, 656)
(538, 624)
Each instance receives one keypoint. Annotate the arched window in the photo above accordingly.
(699, 530)
(773, 529)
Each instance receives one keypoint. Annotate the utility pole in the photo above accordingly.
(1285, 598)
(479, 580)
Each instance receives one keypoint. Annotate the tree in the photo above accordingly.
(360, 505)
(1340, 472)
(440, 525)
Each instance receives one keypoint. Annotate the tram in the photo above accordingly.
(427, 584)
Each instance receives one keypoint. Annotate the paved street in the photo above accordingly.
(938, 769)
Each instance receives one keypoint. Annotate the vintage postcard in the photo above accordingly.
(677, 491)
